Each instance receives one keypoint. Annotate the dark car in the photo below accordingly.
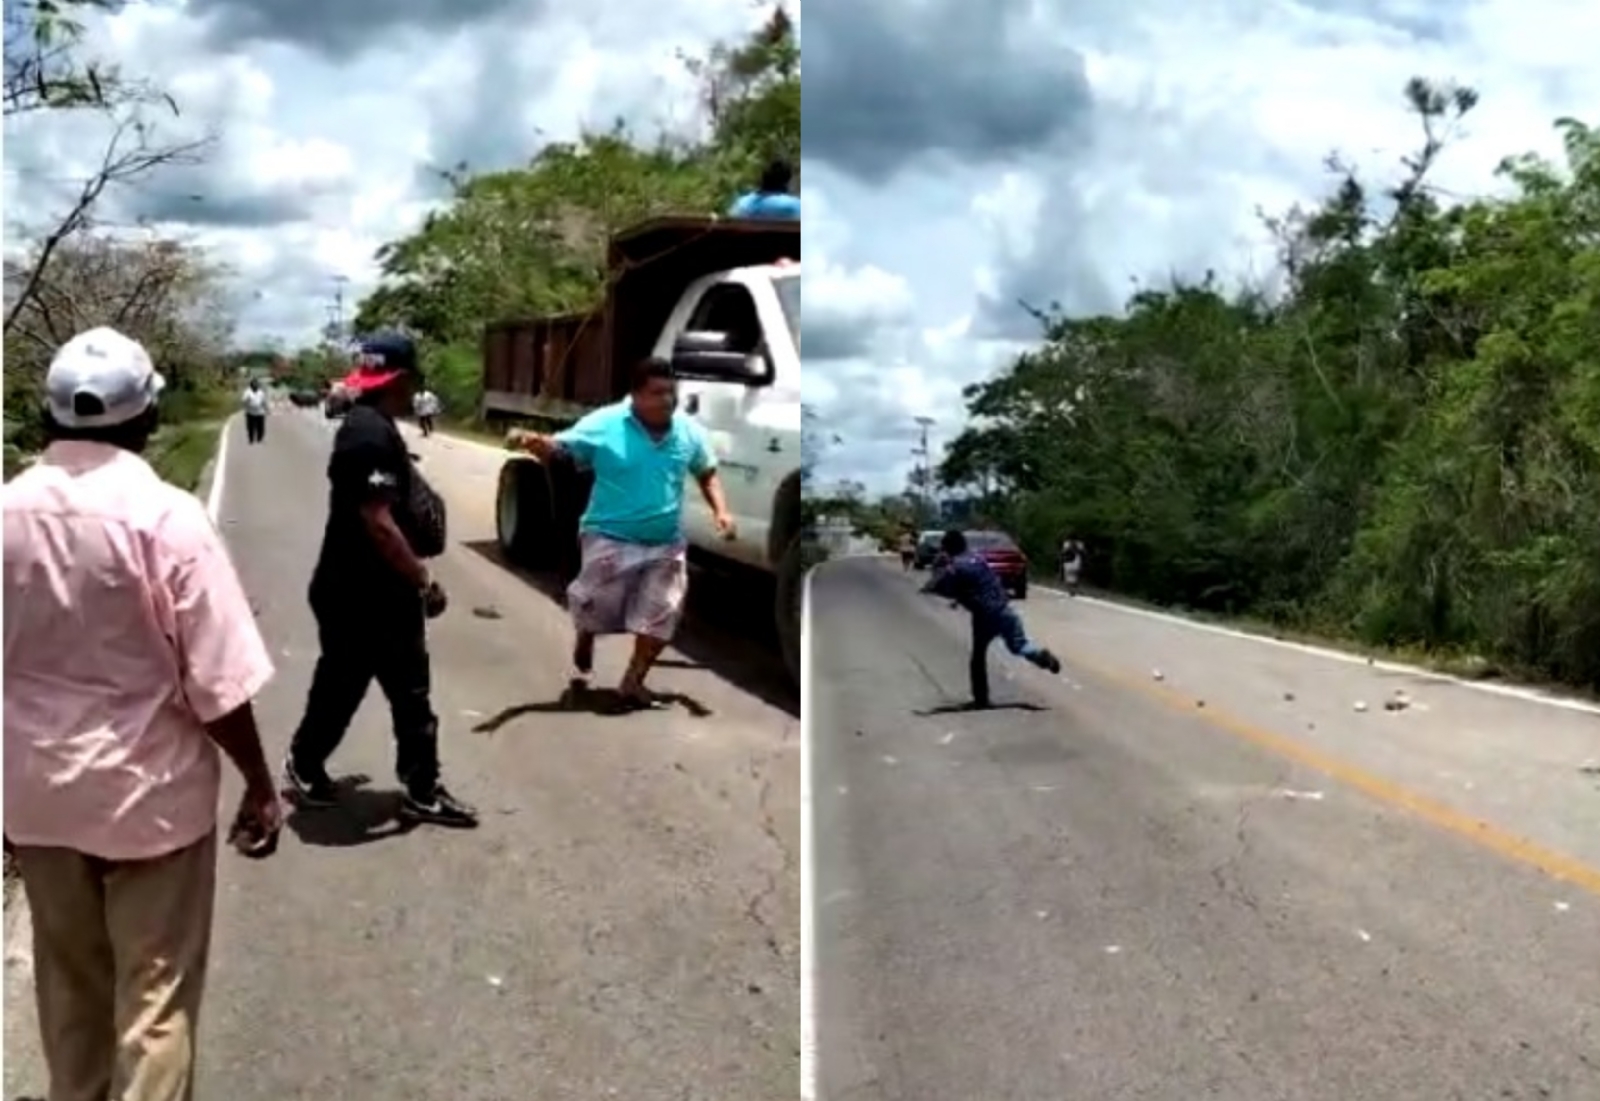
(1005, 558)
(927, 550)
(305, 399)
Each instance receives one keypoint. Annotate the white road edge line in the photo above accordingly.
(219, 473)
(808, 856)
(1507, 691)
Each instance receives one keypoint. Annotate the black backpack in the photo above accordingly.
(427, 528)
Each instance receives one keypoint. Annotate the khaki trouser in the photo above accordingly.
(120, 950)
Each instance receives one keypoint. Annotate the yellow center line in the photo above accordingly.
(1556, 865)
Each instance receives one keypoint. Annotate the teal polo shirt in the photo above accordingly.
(638, 479)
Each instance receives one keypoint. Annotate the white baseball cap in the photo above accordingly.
(100, 379)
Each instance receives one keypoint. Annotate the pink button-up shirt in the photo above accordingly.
(126, 630)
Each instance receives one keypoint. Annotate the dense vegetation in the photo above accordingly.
(531, 240)
(1399, 442)
(76, 272)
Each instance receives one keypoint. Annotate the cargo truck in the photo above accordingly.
(720, 300)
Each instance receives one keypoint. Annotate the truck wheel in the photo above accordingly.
(790, 594)
(569, 496)
(521, 507)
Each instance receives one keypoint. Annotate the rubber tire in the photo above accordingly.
(522, 488)
(787, 609)
(1021, 592)
(569, 496)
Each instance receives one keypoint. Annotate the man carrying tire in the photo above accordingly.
(634, 575)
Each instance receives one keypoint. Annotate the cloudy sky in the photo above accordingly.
(329, 113)
(962, 156)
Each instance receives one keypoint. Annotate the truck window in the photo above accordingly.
(728, 308)
(789, 299)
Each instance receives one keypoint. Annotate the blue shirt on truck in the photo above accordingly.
(766, 204)
(638, 479)
(971, 583)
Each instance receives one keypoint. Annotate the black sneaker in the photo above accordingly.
(440, 808)
(1048, 660)
(309, 789)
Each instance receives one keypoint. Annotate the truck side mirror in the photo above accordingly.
(710, 355)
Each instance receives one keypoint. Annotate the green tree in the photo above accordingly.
(1398, 443)
(531, 241)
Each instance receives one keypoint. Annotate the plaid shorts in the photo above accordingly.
(629, 588)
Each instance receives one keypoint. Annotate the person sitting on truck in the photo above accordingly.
(772, 197)
(634, 576)
(371, 594)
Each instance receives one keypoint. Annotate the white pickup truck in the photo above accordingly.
(720, 300)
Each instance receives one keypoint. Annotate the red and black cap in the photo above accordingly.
(380, 359)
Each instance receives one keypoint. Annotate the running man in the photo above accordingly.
(967, 580)
(634, 576)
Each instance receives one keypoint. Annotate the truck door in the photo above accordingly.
(723, 409)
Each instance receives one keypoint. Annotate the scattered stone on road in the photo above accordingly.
(969, 944)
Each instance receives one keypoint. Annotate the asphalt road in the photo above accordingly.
(1188, 868)
(625, 922)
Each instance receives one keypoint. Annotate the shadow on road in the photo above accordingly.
(727, 632)
(972, 708)
(362, 816)
(605, 702)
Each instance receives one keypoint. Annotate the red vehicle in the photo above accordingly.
(1005, 558)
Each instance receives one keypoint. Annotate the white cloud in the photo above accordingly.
(329, 118)
(1193, 116)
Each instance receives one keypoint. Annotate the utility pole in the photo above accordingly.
(924, 473)
(336, 318)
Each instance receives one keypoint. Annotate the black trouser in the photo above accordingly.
(426, 424)
(358, 647)
(255, 427)
(1007, 627)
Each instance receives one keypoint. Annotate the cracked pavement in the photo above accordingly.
(1128, 893)
(625, 923)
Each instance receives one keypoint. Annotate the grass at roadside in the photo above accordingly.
(1464, 666)
(180, 452)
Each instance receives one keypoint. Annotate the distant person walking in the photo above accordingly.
(426, 406)
(908, 550)
(372, 594)
(255, 400)
(634, 577)
(131, 656)
(968, 580)
(772, 197)
(1071, 564)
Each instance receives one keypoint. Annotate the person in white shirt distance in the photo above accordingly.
(425, 406)
(255, 401)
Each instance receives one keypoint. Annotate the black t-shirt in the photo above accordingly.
(370, 461)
